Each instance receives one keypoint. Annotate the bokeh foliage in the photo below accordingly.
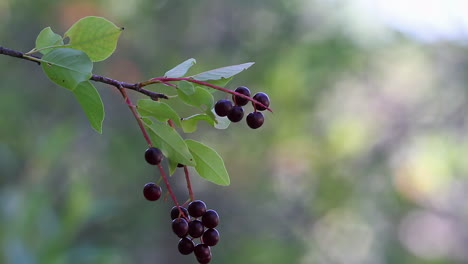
(362, 160)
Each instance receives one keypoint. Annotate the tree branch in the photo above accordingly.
(97, 78)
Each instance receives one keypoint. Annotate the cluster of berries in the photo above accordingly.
(189, 223)
(201, 225)
(235, 113)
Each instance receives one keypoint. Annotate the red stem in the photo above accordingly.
(189, 184)
(164, 80)
(187, 175)
(136, 115)
(145, 134)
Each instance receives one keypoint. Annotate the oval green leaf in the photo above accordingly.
(91, 102)
(96, 36)
(189, 124)
(170, 142)
(181, 69)
(67, 67)
(159, 110)
(224, 72)
(47, 38)
(186, 87)
(200, 98)
(209, 164)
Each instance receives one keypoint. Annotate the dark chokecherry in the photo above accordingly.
(151, 191)
(236, 114)
(204, 260)
(240, 100)
(195, 228)
(197, 208)
(263, 99)
(180, 227)
(175, 212)
(202, 251)
(153, 156)
(186, 246)
(211, 237)
(223, 107)
(210, 219)
(255, 120)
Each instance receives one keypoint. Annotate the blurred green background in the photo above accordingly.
(362, 161)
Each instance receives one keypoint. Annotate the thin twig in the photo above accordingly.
(97, 78)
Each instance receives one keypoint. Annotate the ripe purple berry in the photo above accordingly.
(196, 228)
(151, 191)
(211, 237)
(236, 114)
(223, 107)
(153, 156)
(180, 227)
(197, 208)
(204, 260)
(186, 246)
(175, 212)
(210, 219)
(255, 120)
(263, 99)
(240, 100)
(202, 251)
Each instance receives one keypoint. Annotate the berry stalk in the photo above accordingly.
(148, 140)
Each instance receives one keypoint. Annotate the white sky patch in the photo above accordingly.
(426, 20)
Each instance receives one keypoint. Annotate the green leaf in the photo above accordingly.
(189, 124)
(47, 38)
(181, 69)
(91, 102)
(209, 164)
(170, 142)
(222, 122)
(200, 98)
(67, 67)
(96, 36)
(159, 110)
(186, 87)
(224, 72)
(172, 166)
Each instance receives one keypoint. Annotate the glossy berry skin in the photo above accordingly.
(196, 228)
(180, 227)
(240, 100)
(211, 237)
(202, 251)
(175, 212)
(151, 191)
(153, 156)
(197, 208)
(186, 246)
(236, 114)
(255, 120)
(210, 219)
(223, 107)
(262, 98)
(204, 260)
